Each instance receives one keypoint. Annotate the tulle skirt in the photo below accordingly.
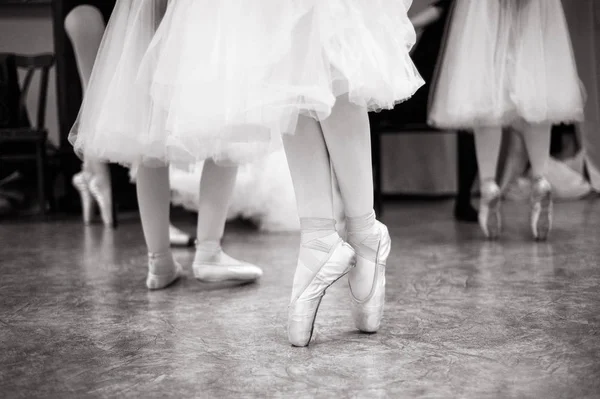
(114, 118)
(226, 79)
(506, 60)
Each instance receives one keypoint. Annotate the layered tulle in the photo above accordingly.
(506, 60)
(226, 79)
(114, 118)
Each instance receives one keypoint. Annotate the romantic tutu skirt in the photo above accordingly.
(506, 60)
(114, 118)
(226, 79)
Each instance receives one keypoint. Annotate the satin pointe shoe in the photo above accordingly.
(101, 192)
(304, 306)
(541, 209)
(163, 270)
(490, 218)
(368, 312)
(81, 183)
(212, 265)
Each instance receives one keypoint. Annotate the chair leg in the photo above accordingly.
(41, 175)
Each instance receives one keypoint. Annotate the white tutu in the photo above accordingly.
(114, 118)
(224, 79)
(506, 60)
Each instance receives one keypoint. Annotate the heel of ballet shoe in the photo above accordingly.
(163, 271)
(303, 310)
(541, 209)
(80, 182)
(367, 313)
(490, 217)
(101, 192)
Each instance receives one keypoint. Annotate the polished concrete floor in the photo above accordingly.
(465, 318)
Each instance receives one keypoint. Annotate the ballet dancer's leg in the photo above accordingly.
(348, 138)
(516, 161)
(210, 262)
(154, 202)
(537, 143)
(487, 145)
(84, 26)
(323, 257)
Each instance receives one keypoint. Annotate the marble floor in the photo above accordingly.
(465, 317)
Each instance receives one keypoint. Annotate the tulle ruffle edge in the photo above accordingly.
(473, 121)
(168, 102)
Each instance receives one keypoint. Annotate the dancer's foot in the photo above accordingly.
(324, 258)
(81, 182)
(211, 264)
(490, 218)
(541, 208)
(101, 192)
(371, 241)
(163, 270)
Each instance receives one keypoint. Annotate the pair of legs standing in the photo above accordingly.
(210, 262)
(341, 142)
(537, 143)
(84, 26)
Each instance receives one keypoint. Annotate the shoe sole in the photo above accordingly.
(209, 279)
(217, 280)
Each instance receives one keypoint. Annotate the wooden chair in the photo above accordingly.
(36, 136)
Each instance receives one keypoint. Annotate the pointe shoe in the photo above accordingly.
(541, 209)
(490, 219)
(163, 271)
(303, 308)
(179, 238)
(81, 183)
(367, 313)
(220, 267)
(101, 192)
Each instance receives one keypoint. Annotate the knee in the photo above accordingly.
(84, 19)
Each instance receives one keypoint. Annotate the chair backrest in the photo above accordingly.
(31, 64)
(10, 95)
